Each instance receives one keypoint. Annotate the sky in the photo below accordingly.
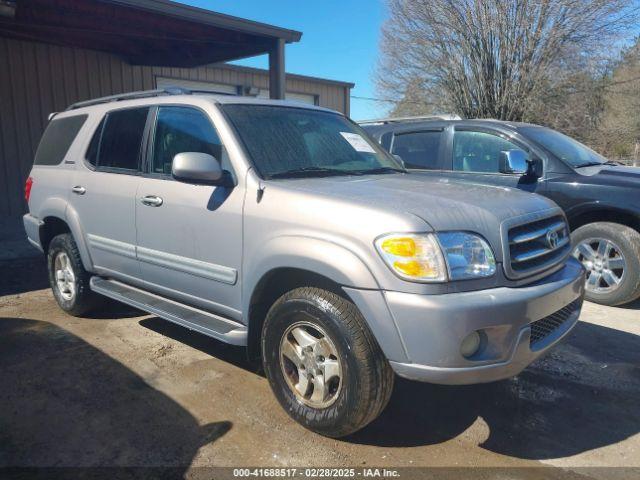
(339, 40)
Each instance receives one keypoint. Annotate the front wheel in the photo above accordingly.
(610, 252)
(323, 364)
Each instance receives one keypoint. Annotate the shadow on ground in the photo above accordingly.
(23, 275)
(223, 351)
(583, 395)
(65, 403)
(635, 305)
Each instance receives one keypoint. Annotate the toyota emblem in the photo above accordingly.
(552, 239)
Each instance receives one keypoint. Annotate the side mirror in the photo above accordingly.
(535, 167)
(513, 161)
(197, 167)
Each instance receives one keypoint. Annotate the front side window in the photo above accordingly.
(119, 141)
(295, 142)
(479, 151)
(179, 130)
(418, 149)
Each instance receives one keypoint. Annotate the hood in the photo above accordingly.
(444, 204)
(612, 175)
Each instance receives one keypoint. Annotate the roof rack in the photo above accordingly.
(383, 121)
(133, 95)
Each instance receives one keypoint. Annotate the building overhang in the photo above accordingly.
(142, 32)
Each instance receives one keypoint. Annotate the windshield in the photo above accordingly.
(295, 142)
(563, 147)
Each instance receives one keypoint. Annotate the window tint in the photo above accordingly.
(479, 151)
(57, 139)
(182, 129)
(418, 149)
(122, 139)
(92, 151)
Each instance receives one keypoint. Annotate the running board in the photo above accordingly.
(194, 319)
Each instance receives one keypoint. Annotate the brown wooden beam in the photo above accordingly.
(276, 70)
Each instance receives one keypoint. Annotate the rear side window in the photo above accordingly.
(57, 139)
(118, 140)
(418, 149)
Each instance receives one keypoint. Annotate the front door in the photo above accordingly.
(104, 192)
(189, 236)
(475, 157)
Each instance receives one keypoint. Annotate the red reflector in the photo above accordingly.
(27, 188)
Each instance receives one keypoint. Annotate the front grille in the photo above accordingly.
(537, 245)
(542, 328)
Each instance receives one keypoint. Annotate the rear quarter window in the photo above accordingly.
(57, 138)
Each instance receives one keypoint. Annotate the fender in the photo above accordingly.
(59, 208)
(73, 220)
(336, 263)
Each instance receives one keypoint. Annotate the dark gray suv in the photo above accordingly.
(601, 198)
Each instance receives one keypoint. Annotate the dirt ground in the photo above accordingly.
(122, 388)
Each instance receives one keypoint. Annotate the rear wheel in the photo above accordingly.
(610, 252)
(323, 364)
(68, 278)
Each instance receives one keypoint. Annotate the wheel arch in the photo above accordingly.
(56, 223)
(591, 214)
(271, 286)
(51, 226)
(287, 262)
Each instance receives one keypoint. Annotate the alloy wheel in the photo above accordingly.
(310, 364)
(604, 262)
(65, 278)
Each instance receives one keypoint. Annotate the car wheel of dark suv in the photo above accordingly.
(323, 364)
(611, 254)
(68, 278)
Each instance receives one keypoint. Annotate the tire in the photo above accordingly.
(365, 378)
(619, 247)
(75, 298)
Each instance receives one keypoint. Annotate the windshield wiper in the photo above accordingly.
(309, 172)
(374, 171)
(596, 164)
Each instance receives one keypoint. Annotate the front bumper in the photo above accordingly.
(431, 328)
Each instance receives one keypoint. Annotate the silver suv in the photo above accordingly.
(283, 228)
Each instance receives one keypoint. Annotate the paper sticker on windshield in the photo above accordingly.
(358, 143)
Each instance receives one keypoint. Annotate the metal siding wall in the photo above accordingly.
(37, 79)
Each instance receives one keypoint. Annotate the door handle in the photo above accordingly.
(151, 201)
(79, 190)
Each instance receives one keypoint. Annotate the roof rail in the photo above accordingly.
(132, 95)
(383, 121)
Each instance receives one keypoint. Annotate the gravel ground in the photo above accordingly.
(126, 389)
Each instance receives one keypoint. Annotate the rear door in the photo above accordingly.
(421, 149)
(104, 192)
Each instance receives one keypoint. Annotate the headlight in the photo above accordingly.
(437, 258)
(467, 255)
(413, 257)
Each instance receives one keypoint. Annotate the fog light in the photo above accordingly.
(470, 345)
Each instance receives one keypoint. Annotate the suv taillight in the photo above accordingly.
(27, 188)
